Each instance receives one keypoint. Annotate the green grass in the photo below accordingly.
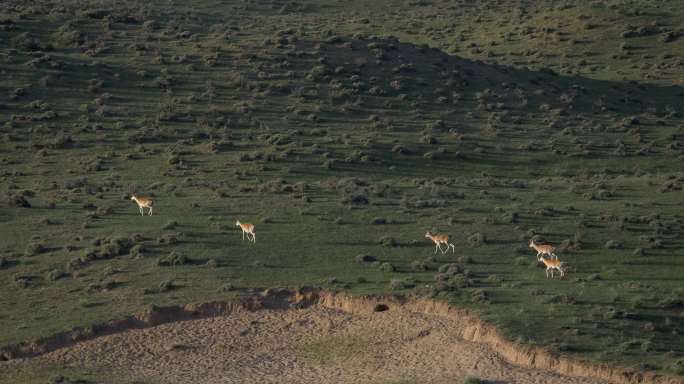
(278, 123)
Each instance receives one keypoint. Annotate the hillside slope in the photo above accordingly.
(344, 137)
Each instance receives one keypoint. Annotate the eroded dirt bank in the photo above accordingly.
(310, 336)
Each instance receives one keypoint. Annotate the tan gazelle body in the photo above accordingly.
(543, 249)
(248, 229)
(551, 265)
(143, 202)
(440, 239)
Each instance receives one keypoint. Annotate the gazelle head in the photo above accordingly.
(237, 223)
(532, 244)
(428, 235)
(133, 197)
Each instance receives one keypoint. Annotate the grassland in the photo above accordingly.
(343, 131)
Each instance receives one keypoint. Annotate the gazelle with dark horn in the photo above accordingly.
(543, 249)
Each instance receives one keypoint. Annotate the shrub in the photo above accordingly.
(450, 269)
(494, 279)
(16, 200)
(477, 239)
(388, 241)
(678, 367)
(479, 296)
(465, 259)
(167, 239)
(460, 281)
(357, 199)
(112, 247)
(672, 301)
(379, 221)
(57, 274)
(23, 280)
(33, 249)
(172, 259)
(164, 286)
(419, 266)
(562, 299)
(227, 287)
(212, 263)
(171, 224)
(365, 258)
(386, 267)
(472, 380)
(26, 42)
(137, 251)
(613, 244)
(398, 284)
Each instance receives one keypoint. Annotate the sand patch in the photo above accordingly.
(309, 345)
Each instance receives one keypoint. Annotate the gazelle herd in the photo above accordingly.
(552, 264)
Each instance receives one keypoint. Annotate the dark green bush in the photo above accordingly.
(172, 259)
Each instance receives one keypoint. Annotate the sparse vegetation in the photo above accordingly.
(344, 130)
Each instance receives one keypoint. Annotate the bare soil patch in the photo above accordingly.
(319, 343)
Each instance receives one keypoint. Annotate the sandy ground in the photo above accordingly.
(312, 345)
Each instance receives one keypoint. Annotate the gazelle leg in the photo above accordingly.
(150, 211)
(253, 238)
(436, 246)
(453, 248)
(141, 211)
(243, 235)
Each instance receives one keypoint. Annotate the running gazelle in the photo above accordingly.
(143, 202)
(440, 239)
(246, 229)
(543, 249)
(551, 265)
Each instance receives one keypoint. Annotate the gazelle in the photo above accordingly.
(143, 202)
(440, 239)
(551, 265)
(543, 249)
(248, 229)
